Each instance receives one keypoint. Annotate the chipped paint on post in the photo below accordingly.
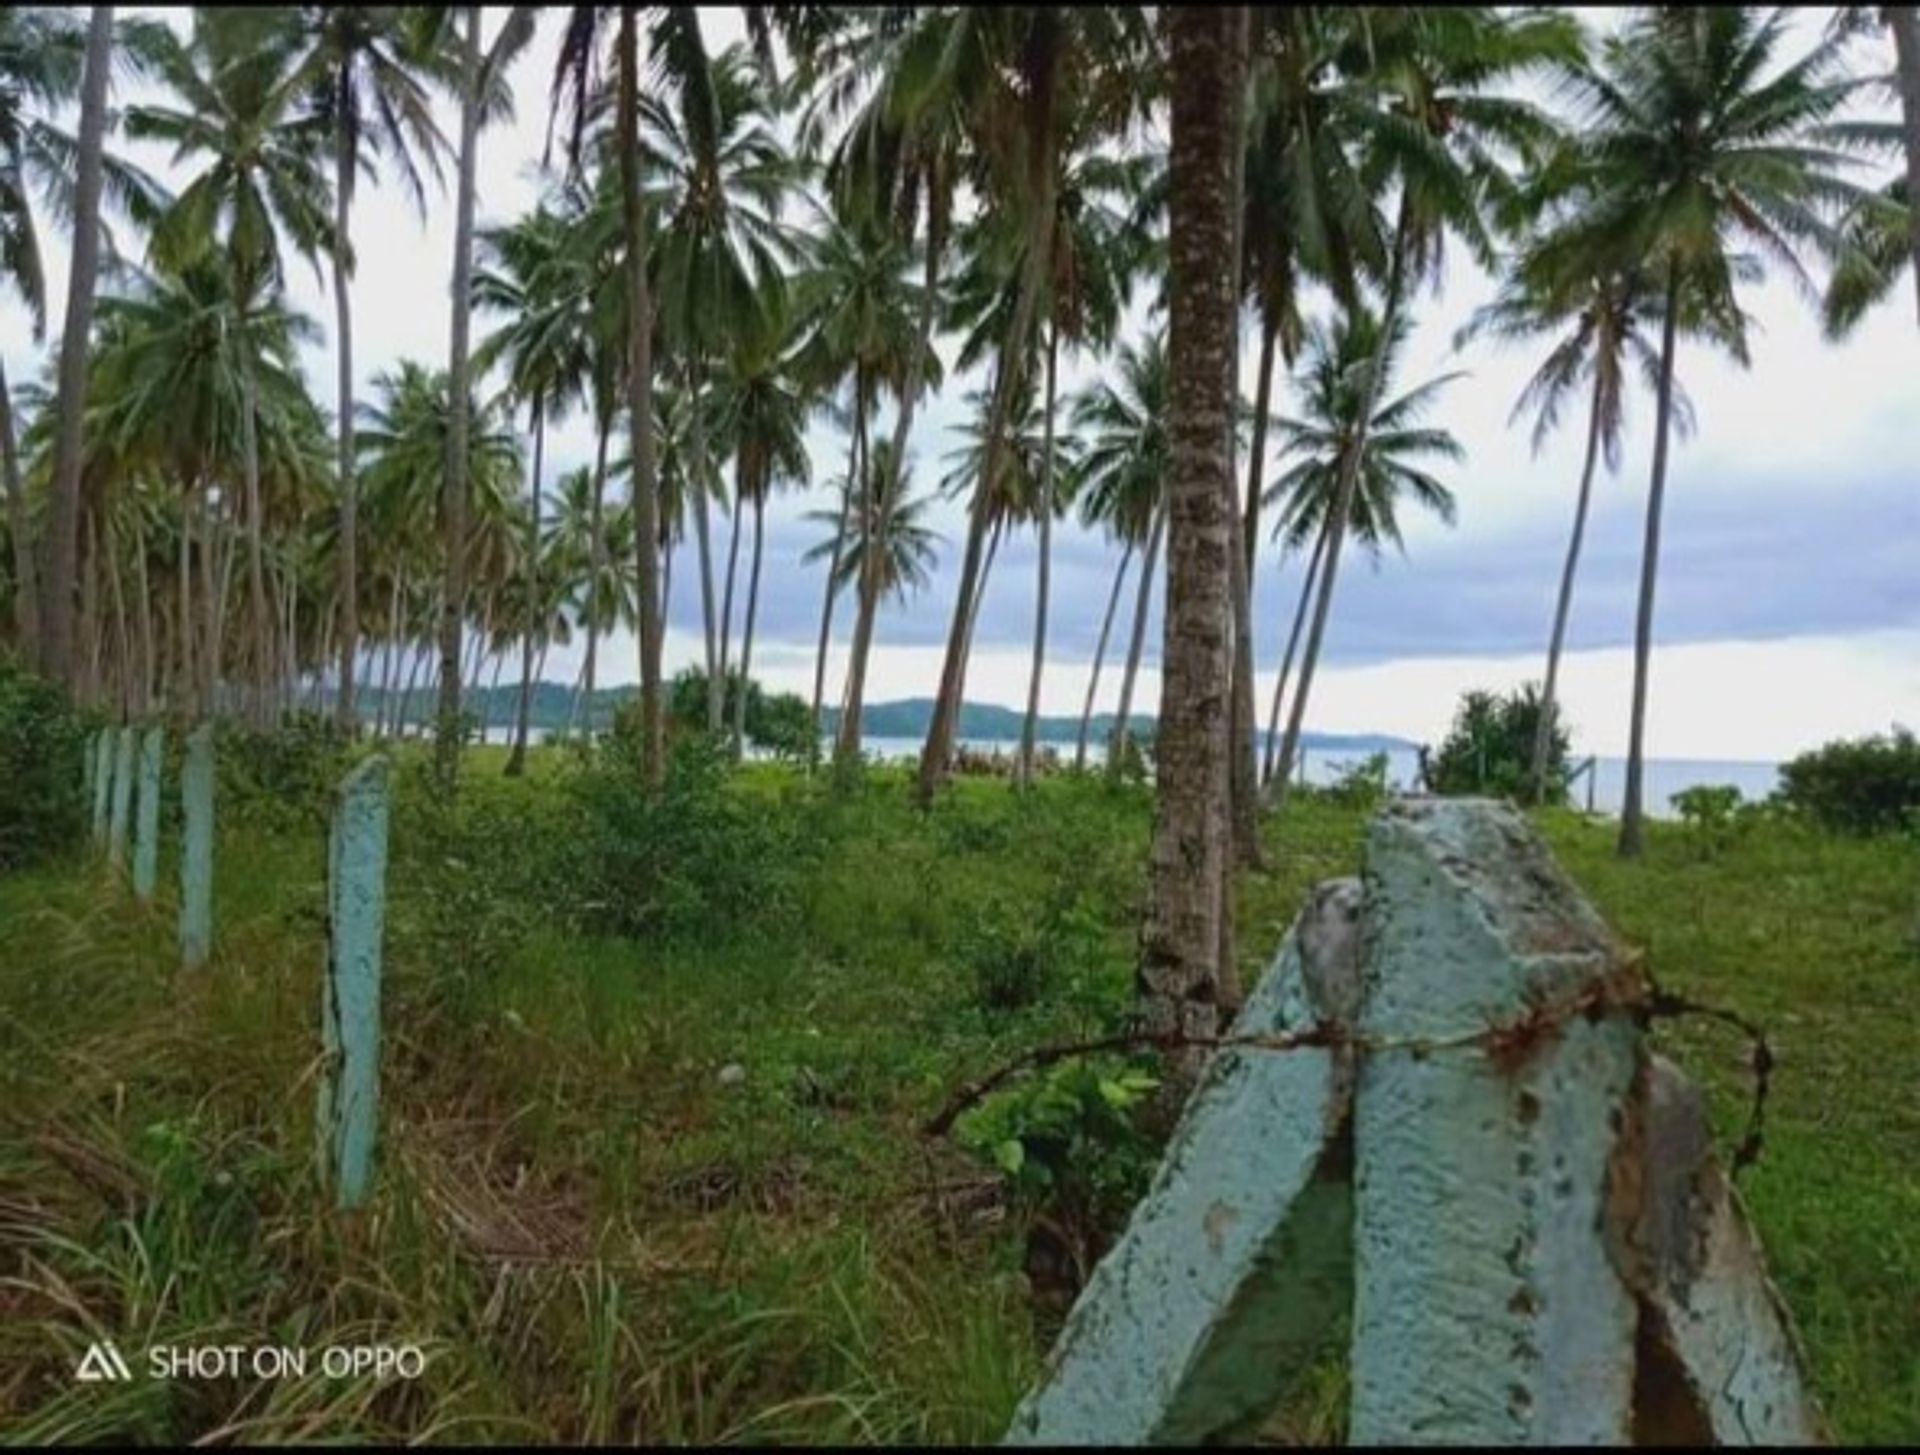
(146, 827)
(350, 1014)
(122, 797)
(1237, 1263)
(196, 849)
(1486, 1309)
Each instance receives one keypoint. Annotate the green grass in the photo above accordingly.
(598, 1239)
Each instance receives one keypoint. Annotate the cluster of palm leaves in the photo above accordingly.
(731, 244)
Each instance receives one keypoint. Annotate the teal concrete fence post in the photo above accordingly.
(103, 742)
(146, 825)
(122, 796)
(350, 1011)
(1238, 1261)
(1471, 1140)
(89, 759)
(196, 849)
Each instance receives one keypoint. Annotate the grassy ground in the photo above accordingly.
(602, 1232)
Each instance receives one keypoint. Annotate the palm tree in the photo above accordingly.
(529, 275)
(1691, 144)
(857, 310)
(1178, 983)
(1123, 472)
(1893, 240)
(57, 658)
(362, 67)
(904, 556)
(261, 182)
(1597, 328)
(1873, 254)
(1347, 435)
(1030, 77)
(722, 250)
(763, 415)
(1438, 135)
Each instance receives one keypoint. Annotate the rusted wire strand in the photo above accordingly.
(1646, 1003)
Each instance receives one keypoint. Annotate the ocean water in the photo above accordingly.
(1664, 776)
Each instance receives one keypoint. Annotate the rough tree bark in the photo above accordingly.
(1178, 979)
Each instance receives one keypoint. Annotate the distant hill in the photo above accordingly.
(553, 710)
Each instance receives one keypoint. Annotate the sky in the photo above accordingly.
(1788, 610)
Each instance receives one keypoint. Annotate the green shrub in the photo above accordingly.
(1712, 814)
(285, 777)
(1020, 954)
(1489, 748)
(42, 746)
(1865, 785)
(1361, 785)
(780, 722)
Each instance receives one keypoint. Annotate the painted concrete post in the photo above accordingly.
(89, 758)
(1520, 1198)
(350, 1013)
(1239, 1259)
(103, 742)
(146, 826)
(196, 849)
(1486, 1309)
(122, 796)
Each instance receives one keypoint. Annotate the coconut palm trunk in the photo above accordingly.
(1043, 170)
(26, 590)
(704, 540)
(896, 462)
(1099, 656)
(1549, 699)
(260, 622)
(57, 657)
(1350, 465)
(1286, 662)
(1023, 774)
(596, 566)
(733, 562)
(530, 628)
(833, 576)
(1142, 604)
(453, 603)
(1177, 982)
(746, 631)
(1631, 809)
(1904, 22)
(646, 495)
(349, 489)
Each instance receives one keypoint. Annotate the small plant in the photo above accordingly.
(1362, 785)
(1863, 786)
(1711, 812)
(1489, 749)
(1019, 955)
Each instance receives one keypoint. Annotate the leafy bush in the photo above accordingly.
(1069, 1143)
(1865, 785)
(283, 777)
(42, 744)
(1489, 749)
(1362, 785)
(696, 858)
(1020, 954)
(780, 722)
(1712, 814)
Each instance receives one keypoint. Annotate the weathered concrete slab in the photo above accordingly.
(1719, 1359)
(1237, 1263)
(146, 828)
(1486, 1308)
(196, 848)
(122, 796)
(356, 887)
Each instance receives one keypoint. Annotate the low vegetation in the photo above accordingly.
(652, 1164)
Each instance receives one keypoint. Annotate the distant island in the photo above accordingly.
(553, 711)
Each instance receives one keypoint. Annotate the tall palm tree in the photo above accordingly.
(530, 274)
(904, 554)
(482, 97)
(1178, 979)
(1123, 471)
(261, 182)
(363, 69)
(1693, 143)
(1597, 326)
(722, 251)
(57, 659)
(1031, 77)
